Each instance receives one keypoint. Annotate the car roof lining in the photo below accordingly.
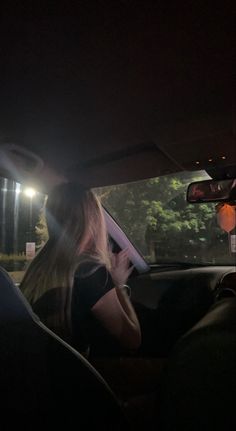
(133, 93)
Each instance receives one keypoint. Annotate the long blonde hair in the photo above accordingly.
(77, 233)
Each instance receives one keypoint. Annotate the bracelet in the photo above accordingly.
(128, 289)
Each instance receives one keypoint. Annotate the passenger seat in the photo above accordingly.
(44, 383)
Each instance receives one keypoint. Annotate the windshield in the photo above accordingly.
(160, 222)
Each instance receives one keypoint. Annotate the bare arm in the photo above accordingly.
(127, 305)
(115, 312)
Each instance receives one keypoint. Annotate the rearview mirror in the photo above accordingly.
(212, 191)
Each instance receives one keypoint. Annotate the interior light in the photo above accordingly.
(223, 157)
(197, 163)
(210, 160)
(29, 192)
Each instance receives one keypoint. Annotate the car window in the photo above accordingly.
(153, 213)
(165, 228)
(22, 226)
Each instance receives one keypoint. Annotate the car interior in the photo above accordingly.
(42, 378)
(109, 95)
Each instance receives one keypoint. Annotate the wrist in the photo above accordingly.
(125, 288)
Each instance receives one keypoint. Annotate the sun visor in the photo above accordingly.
(132, 164)
(18, 163)
(22, 165)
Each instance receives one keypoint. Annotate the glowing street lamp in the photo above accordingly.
(29, 192)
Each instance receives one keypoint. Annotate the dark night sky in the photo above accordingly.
(112, 71)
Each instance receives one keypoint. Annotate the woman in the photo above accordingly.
(75, 285)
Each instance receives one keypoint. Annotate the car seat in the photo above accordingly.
(44, 383)
(199, 385)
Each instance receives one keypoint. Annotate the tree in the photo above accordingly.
(41, 229)
(155, 215)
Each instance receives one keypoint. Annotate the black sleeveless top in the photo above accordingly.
(91, 283)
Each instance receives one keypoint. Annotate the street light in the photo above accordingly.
(30, 192)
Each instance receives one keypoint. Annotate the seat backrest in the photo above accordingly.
(44, 380)
(199, 385)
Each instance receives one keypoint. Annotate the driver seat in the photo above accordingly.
(44, 383)
(199, 384)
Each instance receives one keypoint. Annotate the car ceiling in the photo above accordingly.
(108, 92)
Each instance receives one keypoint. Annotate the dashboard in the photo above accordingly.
(148, 289)
(169, 302)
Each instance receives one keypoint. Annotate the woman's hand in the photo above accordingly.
(120, 269)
